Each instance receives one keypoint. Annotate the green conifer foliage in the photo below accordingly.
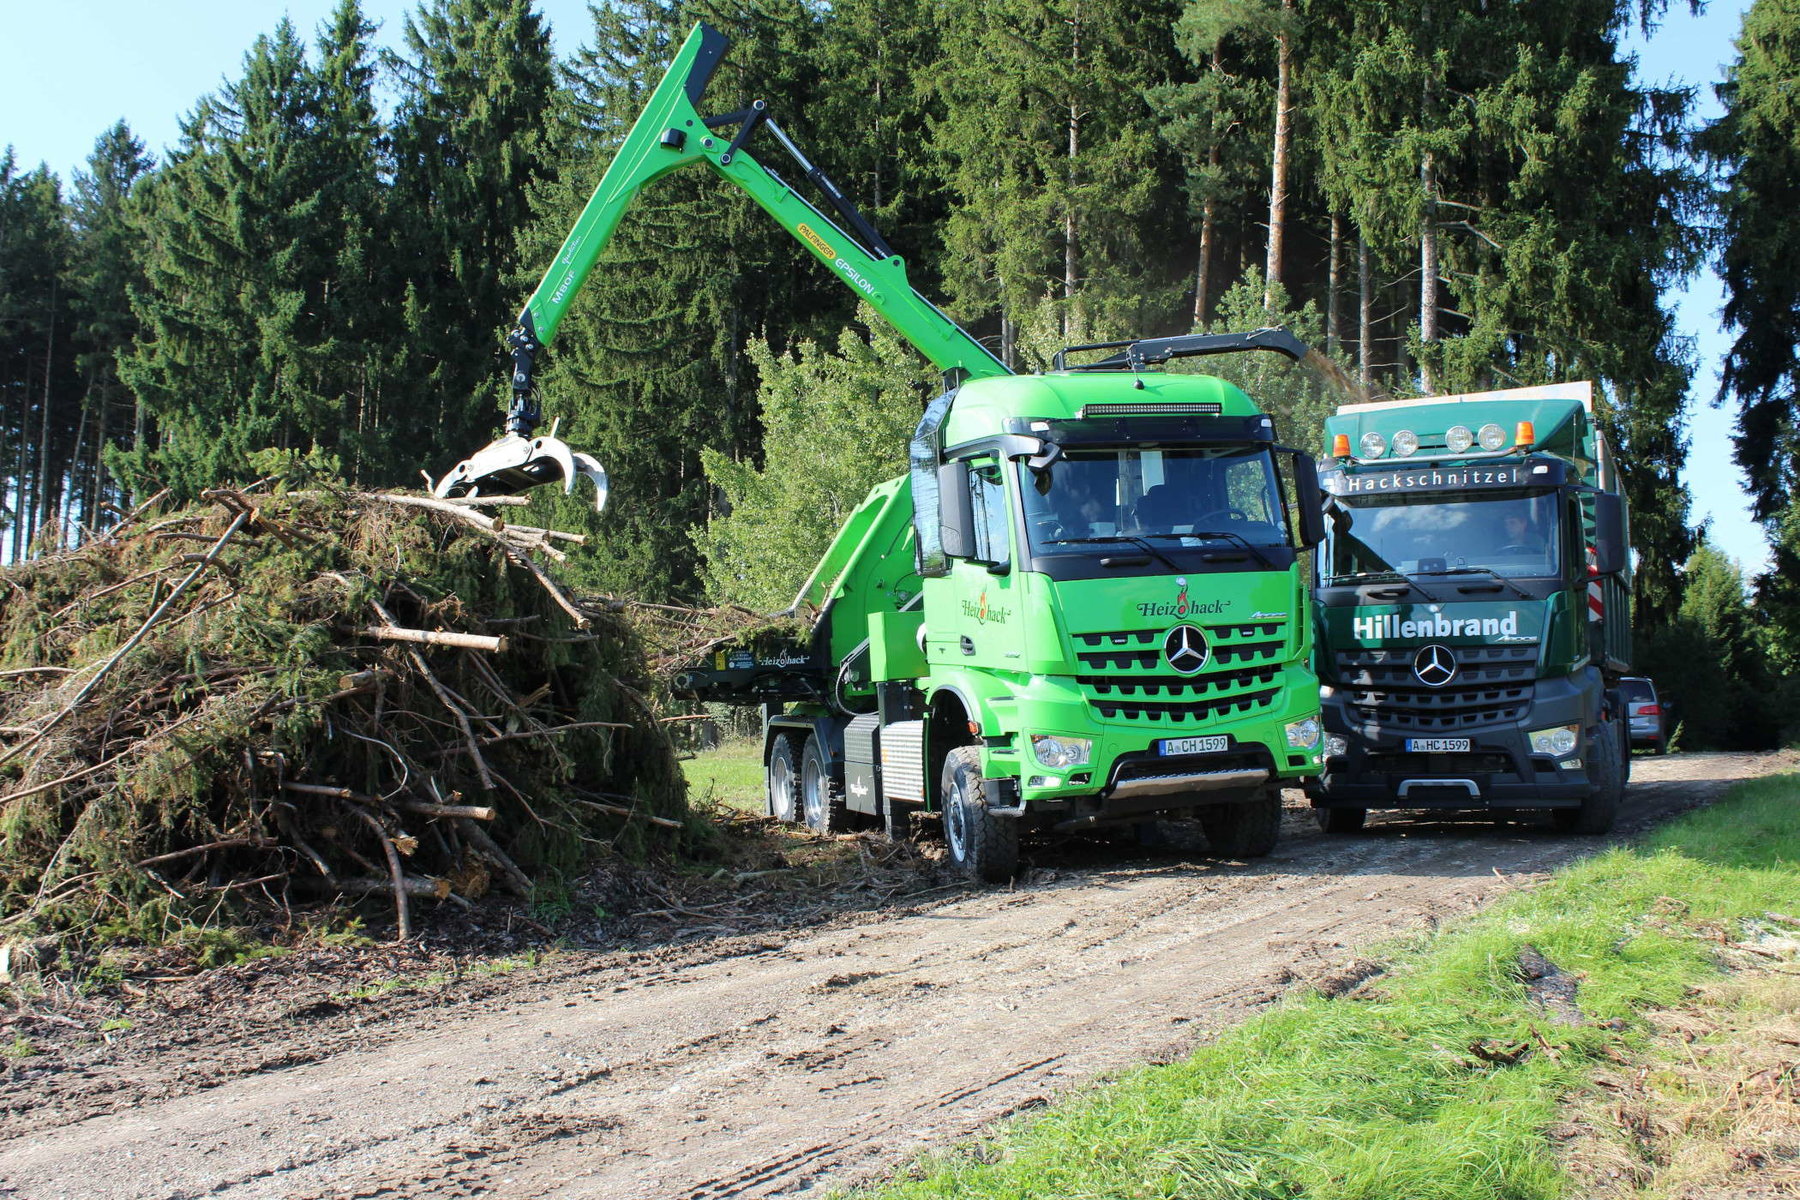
(262, 324)
(38, 394)
(1756, 147)
(106, 269)
(835, 423)
(477, 82)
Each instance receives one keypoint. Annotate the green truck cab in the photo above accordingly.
(1472, 597)
(1084, 605)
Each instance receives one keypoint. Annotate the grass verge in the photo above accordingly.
(1446, 1077)
(732, 774)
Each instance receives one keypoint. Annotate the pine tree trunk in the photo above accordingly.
(1428, 271)
(1008, 335)
(70, 492)
(97, 479)
(1209, 217)
(1365, 313)
(1284, 106)
(1071, 320)
(1333, 284)
(42, 506)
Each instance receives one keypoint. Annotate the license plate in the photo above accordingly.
(1193, 745)
(1437, 745)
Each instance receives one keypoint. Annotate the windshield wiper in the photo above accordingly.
(1523, 594)
(1361, 577)
(1235, 538)
(1115, 538)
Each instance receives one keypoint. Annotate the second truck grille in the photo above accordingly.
(1492, 686)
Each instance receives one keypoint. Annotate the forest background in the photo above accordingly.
(1445, 195)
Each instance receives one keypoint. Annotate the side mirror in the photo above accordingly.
(1310, 499)
(956, 511)
(1612, 549)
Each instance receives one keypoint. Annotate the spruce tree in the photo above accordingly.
(476, 85)
(1755, 146)
(106, 269)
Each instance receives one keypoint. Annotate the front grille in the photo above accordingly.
(1492, 686)
(1126, 677)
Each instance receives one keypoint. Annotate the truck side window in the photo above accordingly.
(987, 495)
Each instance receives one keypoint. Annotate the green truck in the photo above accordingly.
(1473, 606)
(1083, 604)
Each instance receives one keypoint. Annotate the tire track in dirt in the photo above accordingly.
(831, 1056)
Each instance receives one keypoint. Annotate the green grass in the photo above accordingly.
(1381, 1096)
(732, 774)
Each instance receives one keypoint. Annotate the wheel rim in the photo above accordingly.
(812, 797)
(781, 788)
(956, 824)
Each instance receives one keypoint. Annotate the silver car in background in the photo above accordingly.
(1646, 713)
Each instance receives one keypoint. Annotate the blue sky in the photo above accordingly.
(68, 71)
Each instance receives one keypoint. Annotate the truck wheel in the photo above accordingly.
(1247, 829)
(983, 846)
(821, 801)
(1341, 820)
(783, 779)
(1597, 812)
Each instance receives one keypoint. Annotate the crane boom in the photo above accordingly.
(669, 134)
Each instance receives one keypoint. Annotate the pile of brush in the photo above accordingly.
(269, 698)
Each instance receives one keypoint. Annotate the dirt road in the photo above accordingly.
(767, 1065)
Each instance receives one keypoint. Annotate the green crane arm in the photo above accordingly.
(670, 133)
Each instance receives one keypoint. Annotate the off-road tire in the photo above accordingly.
(821, 799)
(1246, 829)
(1341, 820)
(982, 846)
(781, 779)
(1601, 808)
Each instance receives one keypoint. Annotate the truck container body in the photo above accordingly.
(1472, 597)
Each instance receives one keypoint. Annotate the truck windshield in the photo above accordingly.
(1513, 535)
(1174, 497)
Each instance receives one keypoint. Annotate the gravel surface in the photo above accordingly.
(750, 1065)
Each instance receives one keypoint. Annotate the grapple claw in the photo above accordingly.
(515, 464)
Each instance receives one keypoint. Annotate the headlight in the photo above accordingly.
(1492, 437)
(1059, 753)
(1373, 445)
(1406, 443)
(1458, 438)
(1303, 734)
(1335, 746)
(1558, 741)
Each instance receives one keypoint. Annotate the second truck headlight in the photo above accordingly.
(1302, 734)
(1060, 753)
(1558, 741)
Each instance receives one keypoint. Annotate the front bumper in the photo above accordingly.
(1498, 772)
(1126, 776)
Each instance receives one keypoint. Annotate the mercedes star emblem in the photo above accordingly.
(1434, 665)
(1185, 648)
